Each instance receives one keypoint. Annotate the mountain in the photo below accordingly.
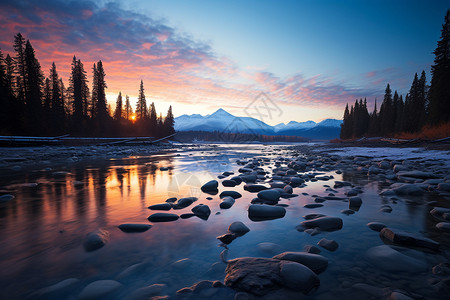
(223, 121)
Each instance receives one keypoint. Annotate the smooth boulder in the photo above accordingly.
(202, 211)
(258, 212)
(407, 239)
(325, 223)
(95, 240)
(233, 194)
(210, 187)
(271, 196)
(163, 217)
(238, 228)
(134, 227)
(161, 206)
(390, 260)
(99, 289)
(227, 202)
(317, 263)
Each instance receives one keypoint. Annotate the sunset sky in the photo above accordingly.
(308, 57)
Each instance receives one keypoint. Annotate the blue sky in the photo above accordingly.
(309, 57)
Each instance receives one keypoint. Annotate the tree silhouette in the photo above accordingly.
(141, 105)
(118, 110)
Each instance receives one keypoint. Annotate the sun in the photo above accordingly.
(133, 118)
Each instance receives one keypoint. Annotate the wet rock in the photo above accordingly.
(312, 205)
(163, 217)
(99, 289)
(238, 228)
(258, 212)
(171, 200)
(444, 186)
(407, 189)
(202, 211)
(339, 184)
(254, 188)
(325, 223)
(184, 202)
(386, 209)
(229, 183)
(347, 212)
(232, 194)
(259, 276)
(288, 189)
(164, 169)
(441, 269)
(146, 292)
(312, 249)
(95, 240)
(210, 187)
(248, 178)
(296, 181)
(187, 216)
(351, 193)
(354, 203)
(390, 260)
(440, 213)
(443, 226)
(312, 216)
(236, 179)
(376, 226)
(245, 170)
(132, 270)
(162, 206)
(227, 202)
(400, 168)
(133, 227)
(6, 198)
(330, 245)
(416, 174)
(407, 239)
(317, 263)
(227, 238)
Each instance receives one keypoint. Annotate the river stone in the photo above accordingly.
(444, 186)
(95, 240)
(407, 239)
(444, 226)
(238, 228)
(162, 206)
(312, 249)
(6, 198)
(227, 202)
(259, 276)
(187, 216)
(440, 212)
(298, 277)
(254, 188)
(210, 187)
(232, 194)
(171, 200)
(416, 174)
(227, 237)
(330, 245)
(390, 260)
(229, 183)
(317, 263)
(134, 227)
(313, 216)
(236, 179)
(258, 212)
(407, 189)
(376, 226)
(354, 202)
(325, 223)
(312, 205)
(347, 212)
(163, 217)
(98, 289)
(202, 211)
(185, 202)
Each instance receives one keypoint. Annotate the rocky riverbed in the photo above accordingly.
(225, 221)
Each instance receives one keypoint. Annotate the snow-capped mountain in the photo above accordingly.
(223, 121)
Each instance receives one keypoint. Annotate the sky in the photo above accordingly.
(274, 60)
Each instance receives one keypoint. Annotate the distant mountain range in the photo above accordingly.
(223, 121)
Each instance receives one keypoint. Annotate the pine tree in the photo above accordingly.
(169, 123)
(387, 113)
(439, 106)
(19, 47)
(118, 110)
(399, 109)
(94, 98)
(76, 92)
(345, 124)
(153, 122)
(101, 111)
(374, 121)
(57, 101)
(141, 105)
(128, 109)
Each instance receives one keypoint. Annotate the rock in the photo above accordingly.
(376, 226)
(53, 291)
(95, 240)
(400, 168)
(330, 245)
(210, 187)
(312, 205)
(259, 276)
(440, 212)
(245, 170)
(288, 189)
(407, 239)
(238, 228)
(386, 209)
(187, 216)
(354, 203)
(236, 179)
(313, 216)
(162, 206)
(164, 169)
(416, 174)
(390, 260)
(6, 198)
(98, 289)
(202, 211)
(163, 217)
(134, 227)
(444, 226)
(324, 223)
(185, 202)
(227, 238)
(351, 193)
(259, 212)
(171, 200)
(312, 249)
(232, 194)
(407, 189)
(339, 184)
(317, 263)
(444, 186)
(347, 212)
(227, 202)
(296, 181)
(229, 183)
(254, 188)
(298, 277)
(146, 292)
(268, 247)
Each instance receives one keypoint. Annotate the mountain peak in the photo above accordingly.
(220, 113)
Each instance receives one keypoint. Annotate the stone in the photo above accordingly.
(259, 212)
(298, 277)
(407, 189)
(163, 217)
(98, 289)
(347, 212)
(229, 183)
(184, 202)
(187, 215)
(376, 226)
(416, 174)
(164, 169)
(312, 205)
(202, 211)
(236, 179)
(444, 186)
(95, 240)
(317, 263)
(439, 212)
(210, 187)
(227, 238)
(354, 203)
(227, 202)
(444, 226)
(330, 245)
(254, 188)
(238, 228)
(390, 260)
(52, 291)
(312, 249)
(6, 198)
(133, 227)
(162, 206)
(171, 200)
(325, 223)
(351, 193)
(386, 209)
(407, 239)
(313, 216)
(232, 194)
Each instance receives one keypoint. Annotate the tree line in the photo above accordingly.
(423, 105)
(32, 104)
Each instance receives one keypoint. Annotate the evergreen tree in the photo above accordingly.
(79, 93)
(128, 109)
(19, 47)
(94, 98)
(57, 101)
(345, 124)
(118, 110)
(153, 122)
(169, 123)
(387, 113)
(399, 109)
(439, 106)
(101, 112)
(141, 105)
(374, 121)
